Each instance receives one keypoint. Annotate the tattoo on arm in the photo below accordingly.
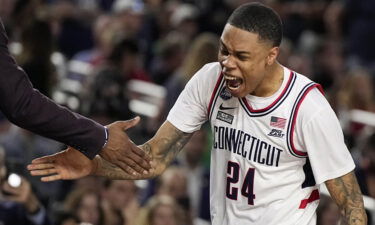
(111, 171)
(147, 148)
(346, 193)
(165, 146)
(171, 145)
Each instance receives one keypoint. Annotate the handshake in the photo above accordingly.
(119, 154)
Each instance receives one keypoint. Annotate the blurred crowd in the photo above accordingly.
(114, 59)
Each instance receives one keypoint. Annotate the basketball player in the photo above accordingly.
(276, 138)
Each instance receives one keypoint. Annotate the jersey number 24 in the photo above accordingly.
(247, 190)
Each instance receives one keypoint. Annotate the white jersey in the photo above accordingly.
(269, 154)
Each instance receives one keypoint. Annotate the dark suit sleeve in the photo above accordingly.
(29, 109)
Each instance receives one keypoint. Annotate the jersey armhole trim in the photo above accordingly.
(214, 95)
(293, 118)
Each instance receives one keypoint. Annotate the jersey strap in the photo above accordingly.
(293, 117)
(284, 94)
(219, 84)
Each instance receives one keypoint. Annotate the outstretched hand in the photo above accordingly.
(66, 165)
(122, 152)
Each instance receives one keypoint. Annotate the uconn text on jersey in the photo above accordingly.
(246, 145)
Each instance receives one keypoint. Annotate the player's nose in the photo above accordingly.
(228, 62)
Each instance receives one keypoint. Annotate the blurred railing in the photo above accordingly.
(364, 117)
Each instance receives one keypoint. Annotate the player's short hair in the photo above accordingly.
(260, 19)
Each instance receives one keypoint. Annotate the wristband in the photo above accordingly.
(106, 136)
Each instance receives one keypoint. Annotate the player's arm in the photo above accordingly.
(71, 164)
(346, 193)
(164, 147)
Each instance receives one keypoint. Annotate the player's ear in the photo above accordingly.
(272, 55)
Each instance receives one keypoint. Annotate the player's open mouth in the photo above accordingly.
(233, 83)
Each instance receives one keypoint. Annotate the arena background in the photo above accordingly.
(114, 59)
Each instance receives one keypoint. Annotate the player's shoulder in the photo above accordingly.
(209, 71)
(311, 91)
(315, 99)
(206, 77)
(212, 67)
(312, 97)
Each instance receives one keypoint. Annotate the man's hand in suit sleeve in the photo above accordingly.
(122, 152)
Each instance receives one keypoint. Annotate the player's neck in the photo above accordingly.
(272, 81)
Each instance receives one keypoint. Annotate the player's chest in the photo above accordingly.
(256, 136)
(233, 114)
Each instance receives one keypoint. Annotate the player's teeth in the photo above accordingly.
(233, 88)
(229, 77)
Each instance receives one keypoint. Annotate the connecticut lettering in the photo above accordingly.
(246, 145)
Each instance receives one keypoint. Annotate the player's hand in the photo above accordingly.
(122, 152)
(66, 165)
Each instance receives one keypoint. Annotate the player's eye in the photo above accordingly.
(223, 51)
(242, 57)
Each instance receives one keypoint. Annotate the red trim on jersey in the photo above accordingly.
(214, 93)
(320, 88)
(313, 197)
(274, 102)
(300, 153)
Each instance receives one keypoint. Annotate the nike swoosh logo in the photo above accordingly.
(221, 107)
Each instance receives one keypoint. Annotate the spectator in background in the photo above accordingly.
(129, 17)
(21, 147)
(74, 32)
(103, 36)
(65, 218)
(198, 174)
(328, 64)
(125, 57)
(20, 13)
(161, 210)
(214, 19)
(85, 204)
(19, 205)
(170, 54)
(75, 79)
(95, 184)
(35, 58)
(184, 19)
(120, 202)
(300, 17)
(327, 213)
(353, 23)
(107, 98)
(174, 182)
(365, 170)
(6, 9)
(355, 91)
(361, 32)
(202, 51)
